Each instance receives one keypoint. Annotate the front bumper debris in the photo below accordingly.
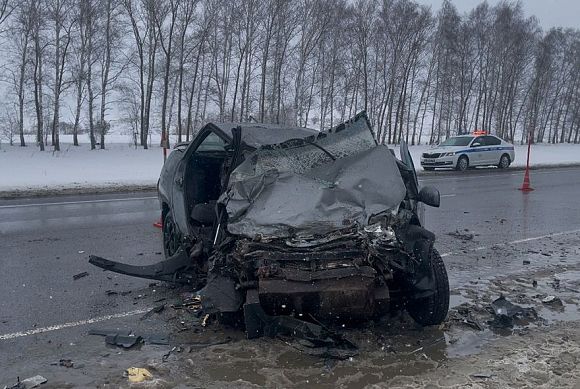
(174, 269)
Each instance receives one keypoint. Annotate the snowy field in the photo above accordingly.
(121, 165)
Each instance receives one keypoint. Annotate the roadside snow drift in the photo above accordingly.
(120, 165)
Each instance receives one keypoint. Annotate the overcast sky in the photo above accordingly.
(550, 13)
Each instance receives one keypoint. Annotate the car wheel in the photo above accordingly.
(432, 310)
(429, 169)
(462, 164)
(170, 236)
(504, 162)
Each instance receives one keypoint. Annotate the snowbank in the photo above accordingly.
(27, 168)
(121, 165)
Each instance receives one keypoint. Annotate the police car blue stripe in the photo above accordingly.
(480, 149)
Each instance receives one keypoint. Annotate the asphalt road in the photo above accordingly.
(44, 242)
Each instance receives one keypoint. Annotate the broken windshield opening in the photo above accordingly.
(299, 155)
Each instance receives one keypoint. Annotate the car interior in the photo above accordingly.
(204, 180)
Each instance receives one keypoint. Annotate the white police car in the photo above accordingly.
(465, 151)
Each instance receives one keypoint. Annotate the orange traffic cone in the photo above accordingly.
(526, 184)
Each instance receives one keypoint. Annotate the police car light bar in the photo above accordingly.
(479, 132)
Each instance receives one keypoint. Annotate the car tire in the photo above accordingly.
(462, 164)
(504, 162)
(429, 169)
(171, 241)
(432, 310)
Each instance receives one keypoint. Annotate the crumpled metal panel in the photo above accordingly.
(333, 194)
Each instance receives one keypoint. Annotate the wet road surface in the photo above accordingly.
(484, 228)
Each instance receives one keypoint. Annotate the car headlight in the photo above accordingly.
(448, 155)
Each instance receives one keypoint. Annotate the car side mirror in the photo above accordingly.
(476, 144)
(430, 196)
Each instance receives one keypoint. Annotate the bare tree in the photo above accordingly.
(7, 7)
(111, 68)
(142, 17)
(185, 20)
(59, 15)
(79, 61)
(166, 9)
(37, 22)
(421, 75)
(20, 30)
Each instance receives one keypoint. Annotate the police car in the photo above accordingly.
(465, 151)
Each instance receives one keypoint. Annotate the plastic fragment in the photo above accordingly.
(138, 374)
(80, 275)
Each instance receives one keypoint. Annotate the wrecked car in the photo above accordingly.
(268, 221)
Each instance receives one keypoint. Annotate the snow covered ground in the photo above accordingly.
(28, 169)
(121, 165)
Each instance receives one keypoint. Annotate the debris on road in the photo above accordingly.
(461, 235)
(138, 374)
(124, 341)
(176, 349)
(483, 375)
(109, 332)
(505, 312)
(64, 363)
(526, 262)
(464, 315)
(126, 338)
(28, 383)
(157, 309)
(427, 346)
(189, 301)
(80, 275)
(552, 300)
(162, 340)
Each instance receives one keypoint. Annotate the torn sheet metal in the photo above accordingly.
(220, 295)
(171, 270)
(281, 202)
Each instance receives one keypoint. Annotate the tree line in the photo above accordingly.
(170, 65)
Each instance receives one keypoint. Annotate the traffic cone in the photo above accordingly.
(158, 223)
(526, 184)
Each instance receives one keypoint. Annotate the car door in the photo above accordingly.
(493, 153)
(476, 151)
(206, 141)
(413, 188)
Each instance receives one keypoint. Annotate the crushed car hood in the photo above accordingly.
(296, 188)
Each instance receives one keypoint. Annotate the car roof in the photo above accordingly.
(261, 134)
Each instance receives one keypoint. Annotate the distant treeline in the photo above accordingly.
(170, 65)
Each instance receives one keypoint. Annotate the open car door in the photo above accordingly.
(408, 162)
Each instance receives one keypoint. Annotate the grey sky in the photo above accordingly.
(550, 13)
